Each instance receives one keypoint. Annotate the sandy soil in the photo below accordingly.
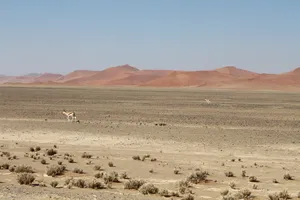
(258, 130)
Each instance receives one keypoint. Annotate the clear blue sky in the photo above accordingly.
(63, 35)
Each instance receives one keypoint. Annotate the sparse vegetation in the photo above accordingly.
(229, 174)
(86, 155)
(111, 177)
(133, 184)
(12, 168)
(24, 169)
(243, 173)
(148, 189)
(56, 170)
(4, 166)
(275, 181)
(167, 193)
(37, 148)
(285, 195)
(244, 194)
(59, 162)
(111, 164)
(51, 152)
(71, 160)
(99, 175)
(97, 168)
(78, 171)
(255, 187)
(232, 185)
(31, 149)
(124, 175)
(197, 177)
(96, 185)
(253, 179)
(80, 183)
(136, 158)
(25, 178)
(54, 184)
(184, 187)
(287, 177)
(176, 171)
(224, 192)
(188, 197)
(43, 161)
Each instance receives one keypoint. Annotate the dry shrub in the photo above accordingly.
(253, 179)
(148, 189)
(5, 153)
(69, 181)
(232, 185)
(133, 184)
(37, 148)
(31, 149)
(96, 185)
(59, 162)
(4, 166)
(188, 197)
(136, 158)
(78, 171)
(275, 181)
(51, 152)
(56, 170)
(110, 164)
(229, 174)
(153, 159)
(184, 187)
(43, 161)
(25, 178)
(274, 196)
(224, 192)
(71, 160)
(97, 168)
(285, 195)
(244, 194)
(54, 184)
(12, 168)
(80, 183)
(24, 169)
(176, 171)
(243, 173)
(124, 175)
(167, 193)
(99, 175)
(197, 177)
(86, 155)
(255, 187)
(111, 177)
(287, 177)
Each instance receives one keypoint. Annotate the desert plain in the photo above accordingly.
(173, 131)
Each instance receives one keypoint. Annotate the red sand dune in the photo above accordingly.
(28, 78)
(101, 77)
(235, 71)
(183, 78)
(139, 77)
(225, 77)
(47, 77)
(75, 75)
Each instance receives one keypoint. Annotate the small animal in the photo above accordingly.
(70, 115)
